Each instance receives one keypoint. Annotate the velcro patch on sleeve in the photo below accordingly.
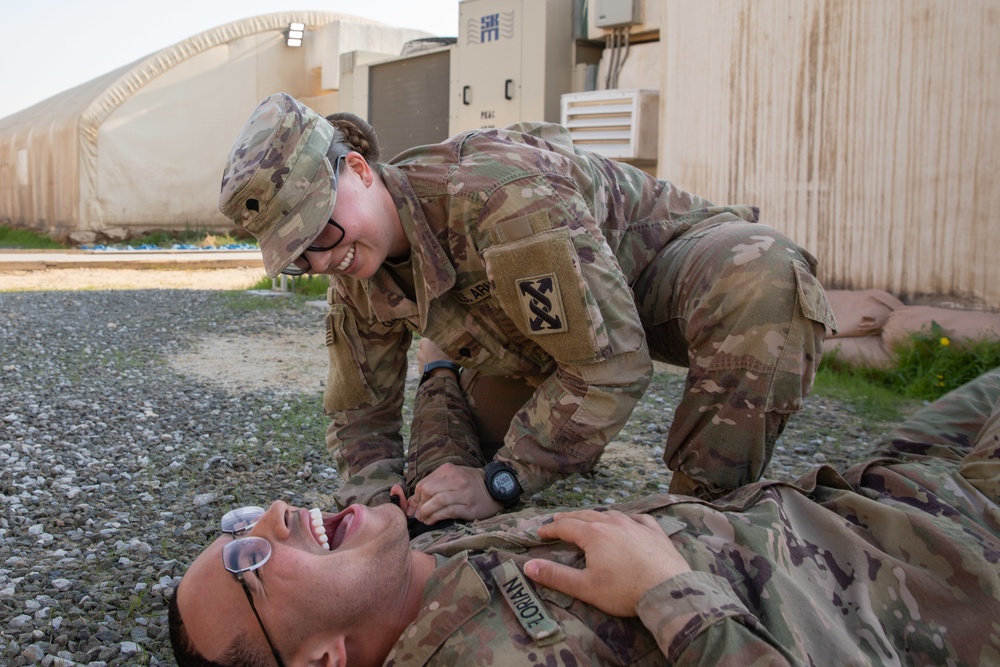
(528, 609)
(539, 284)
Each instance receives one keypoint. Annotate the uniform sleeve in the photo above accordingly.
(556, 278)
(364, 399)
(698, 620)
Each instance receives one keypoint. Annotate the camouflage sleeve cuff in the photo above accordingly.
(531, 477)
(681, 611)
(371, 484)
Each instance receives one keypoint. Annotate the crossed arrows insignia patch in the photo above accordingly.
(542, 304)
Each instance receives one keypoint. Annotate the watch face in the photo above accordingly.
(504, 484)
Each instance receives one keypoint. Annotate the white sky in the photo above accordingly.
(52, 45)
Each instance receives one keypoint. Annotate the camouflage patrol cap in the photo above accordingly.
(278, 183)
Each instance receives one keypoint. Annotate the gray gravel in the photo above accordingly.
(114, 470)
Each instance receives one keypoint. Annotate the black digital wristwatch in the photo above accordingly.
(440, 363)
(502, 484)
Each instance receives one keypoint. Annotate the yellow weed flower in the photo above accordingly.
(945, 341)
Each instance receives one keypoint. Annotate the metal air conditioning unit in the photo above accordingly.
(619, 124)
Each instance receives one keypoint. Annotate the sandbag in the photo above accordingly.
(867, 351)
(861, 312)
(957, 325)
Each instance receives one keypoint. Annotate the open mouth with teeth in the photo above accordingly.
(348, 258)
(330, 533)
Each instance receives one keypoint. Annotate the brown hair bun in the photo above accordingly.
(358, 133)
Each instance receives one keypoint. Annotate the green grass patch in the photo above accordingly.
(300, 289)
(24, 239)
(869, 401)
(308, 286)
(28, 240)
(925, 367)
(195, 237)
(932, 365)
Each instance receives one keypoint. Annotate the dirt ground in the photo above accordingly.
(219, 360)
(108, 279)
(288, 361)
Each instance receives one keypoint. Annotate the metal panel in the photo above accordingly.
(865, 130)
(408, 101)
(616, 13)
(513, 61)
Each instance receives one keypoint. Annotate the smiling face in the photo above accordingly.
(372, 230)
(311, 600)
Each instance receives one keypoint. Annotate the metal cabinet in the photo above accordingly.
(512, 62)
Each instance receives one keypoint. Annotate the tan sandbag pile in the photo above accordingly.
(871, 322)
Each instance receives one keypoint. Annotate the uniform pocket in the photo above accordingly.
(346, 385)
(812, 298)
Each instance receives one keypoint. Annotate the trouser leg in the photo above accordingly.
(952, 449)
(494, 400)
(949, 427)
(981, 466)
(738, 304)
(963, 426)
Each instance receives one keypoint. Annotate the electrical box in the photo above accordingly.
(643, 18)
(616, 13)
(512, 62)
(618, 124)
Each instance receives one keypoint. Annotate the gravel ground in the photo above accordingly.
(125, 434)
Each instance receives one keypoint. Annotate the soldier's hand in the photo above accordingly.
(626, 556)
(452, 492)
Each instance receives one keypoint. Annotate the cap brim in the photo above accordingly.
(286, 241)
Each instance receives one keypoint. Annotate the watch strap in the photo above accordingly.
(440, 363)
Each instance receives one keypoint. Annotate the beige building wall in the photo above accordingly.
(866, 130)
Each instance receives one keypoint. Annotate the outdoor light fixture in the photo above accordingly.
(294, 34)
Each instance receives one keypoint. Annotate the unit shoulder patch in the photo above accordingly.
(542, 304)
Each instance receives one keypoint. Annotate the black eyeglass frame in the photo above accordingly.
(237, 523)
(294, 270)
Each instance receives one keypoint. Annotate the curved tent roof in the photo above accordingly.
(50, 153)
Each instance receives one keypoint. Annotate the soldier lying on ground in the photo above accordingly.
(554, 274)
(895, 561)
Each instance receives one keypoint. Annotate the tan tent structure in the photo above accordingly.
(143, 147)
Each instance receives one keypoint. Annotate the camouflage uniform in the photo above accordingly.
(535, 260)
(893, 562)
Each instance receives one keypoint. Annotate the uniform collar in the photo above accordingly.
(453, 595)
(433, 272)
